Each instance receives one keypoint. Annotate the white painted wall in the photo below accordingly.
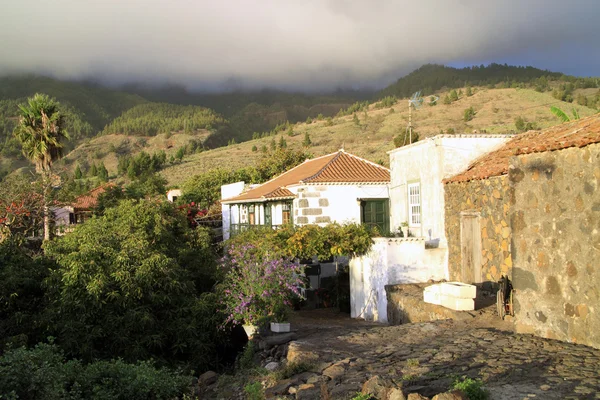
(343, 201)
(173, 193)
(391, 261)
(228, 191)
(429, 162)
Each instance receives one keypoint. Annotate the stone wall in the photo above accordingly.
(555, 222)
(491, 198)
(312, 206)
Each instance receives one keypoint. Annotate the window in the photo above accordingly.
(375, 214)
(252, 214)
(268, 220)
(414, 204)
(286, 215)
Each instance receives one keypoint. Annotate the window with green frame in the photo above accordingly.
(376, 214)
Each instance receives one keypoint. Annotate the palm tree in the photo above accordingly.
(40, 131)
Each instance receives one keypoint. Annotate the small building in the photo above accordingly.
(417, 208)
(173, 195)
(67, 216)
(531, 210)
(338, 187)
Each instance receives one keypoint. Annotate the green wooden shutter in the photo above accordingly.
(375, 213)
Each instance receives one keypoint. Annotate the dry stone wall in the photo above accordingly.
(491, 198)
(555, 222)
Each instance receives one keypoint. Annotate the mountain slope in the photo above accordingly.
(495, 112)
(433, 77)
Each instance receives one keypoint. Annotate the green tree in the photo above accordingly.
(282, 143)
(41, 132)
(469, 114)
(102, 173)
(179, 154)
(263, 148)
(254, 148)
(469, 91)
(290, 132)
(134, 283)
(273, 144)
(447, 100)
(355, 119)
(78, 173)
(93, 170)
(453, 95)
(404, 139)
(307, 142)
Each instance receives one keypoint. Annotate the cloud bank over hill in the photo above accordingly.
(290, 44)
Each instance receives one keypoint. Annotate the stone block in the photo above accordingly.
(323, 202)
(312, 211)
(457, 304)
(302, 203)
(459, 290)
(322, 220)
(321, 188)
(311, 194)
(302, 220)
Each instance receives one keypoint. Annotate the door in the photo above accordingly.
(470, 243)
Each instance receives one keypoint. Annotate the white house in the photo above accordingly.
(338, 187)
(416, 206)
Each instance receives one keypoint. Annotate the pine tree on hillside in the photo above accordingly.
(307, 142)
(78, 173)
(93, 170)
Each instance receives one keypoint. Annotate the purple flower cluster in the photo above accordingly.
(257, 284)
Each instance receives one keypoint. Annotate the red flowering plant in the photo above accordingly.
(258, 286)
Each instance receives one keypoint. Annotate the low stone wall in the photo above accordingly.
(405, 305)
(555, 222)
(491, 198)
(391, 261)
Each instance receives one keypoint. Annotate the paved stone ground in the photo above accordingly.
(426, 357)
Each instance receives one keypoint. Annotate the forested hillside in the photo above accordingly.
(433, 77)
(152, 118)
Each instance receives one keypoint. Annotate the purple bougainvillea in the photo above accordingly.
(257, 285)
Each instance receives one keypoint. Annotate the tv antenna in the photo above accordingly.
(415, 102)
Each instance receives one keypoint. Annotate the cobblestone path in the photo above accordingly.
(427, 357)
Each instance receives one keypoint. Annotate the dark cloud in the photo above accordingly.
(310, 44)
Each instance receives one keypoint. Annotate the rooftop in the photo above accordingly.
(90, 199)
(338, 167)
(578, 133)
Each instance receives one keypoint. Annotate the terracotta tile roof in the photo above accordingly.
(338, 167)
(578, 133)
(89, 200)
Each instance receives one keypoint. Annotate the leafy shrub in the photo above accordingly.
(247, 356)
(472, 388)
(469, 114)
(43, 373)
(134, 283)
(254, 391)
(256, 284)
(21, 293)
(404, 139)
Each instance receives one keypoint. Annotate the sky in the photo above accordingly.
(290, 44)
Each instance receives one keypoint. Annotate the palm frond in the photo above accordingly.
(560, 114)
(575, 114)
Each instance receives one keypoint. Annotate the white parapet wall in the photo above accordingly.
(391, 261)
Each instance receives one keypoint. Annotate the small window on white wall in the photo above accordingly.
(414, 204)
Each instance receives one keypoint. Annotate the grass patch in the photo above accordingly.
(472, 388)
(254, 391)
(292, 369)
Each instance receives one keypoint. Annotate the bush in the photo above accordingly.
(130, 284)
(22, 296)
(44, 373)
(469, 114)
(404, 139)
(257, 284)
(254, 391)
